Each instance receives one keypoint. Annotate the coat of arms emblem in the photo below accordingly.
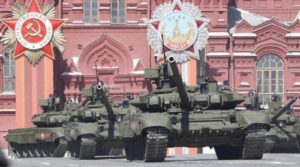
(177, 29)
(33, 31)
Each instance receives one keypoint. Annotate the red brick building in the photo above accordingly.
(248, 40)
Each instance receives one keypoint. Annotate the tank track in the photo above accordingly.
(84, 148)
(156, 145)
(150, 148)
(45, 149)
(254, 143)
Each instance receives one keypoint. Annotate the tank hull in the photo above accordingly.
(37, 142)
(282, 140)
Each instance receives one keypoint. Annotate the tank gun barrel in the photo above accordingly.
(105, 101)
(284, 108)
(178, 82)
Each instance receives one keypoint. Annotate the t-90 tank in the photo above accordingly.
(282, 137)
(44, 140)
(176, 115)
(93, 129)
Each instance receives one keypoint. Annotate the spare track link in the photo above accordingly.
(156, 145)
(254, 143)
(87, 148)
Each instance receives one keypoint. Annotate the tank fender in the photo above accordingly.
(82, 129)
(135, 125)
(155, 120)
(248, 118)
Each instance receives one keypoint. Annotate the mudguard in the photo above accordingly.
(74, 130)
(137, 123)
(248, 118)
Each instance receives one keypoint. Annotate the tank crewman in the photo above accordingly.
(250, 101)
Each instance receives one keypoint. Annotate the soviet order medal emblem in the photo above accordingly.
(182, 28)
(33, 31)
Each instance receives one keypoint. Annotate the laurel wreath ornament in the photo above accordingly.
(34, 56)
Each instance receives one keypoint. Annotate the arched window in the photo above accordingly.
(91, 12)
(118, 11)
(9, 71)
(269, 74)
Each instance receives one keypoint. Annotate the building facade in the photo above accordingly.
(250, 42)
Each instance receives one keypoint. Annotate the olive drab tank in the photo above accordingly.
(93, 129)
(283, 136)
(176, 115)
(44, 140)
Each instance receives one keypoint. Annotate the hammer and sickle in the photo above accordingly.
(32, 31)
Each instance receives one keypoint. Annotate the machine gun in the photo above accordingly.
(49, 104)
(283, 109)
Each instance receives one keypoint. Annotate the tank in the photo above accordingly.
(176, 115)
(93, 130)
(44, 140)
(283, 136)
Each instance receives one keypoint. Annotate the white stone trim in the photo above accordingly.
(246, 54)
(290, 92)
(293, 54)
(8, 110)
(77, 22)
(77, 8)
(131, 7)
(104, 21)
(293, 35)
(137, 72)
(132, 22)
(218, 54)
(8, 93)
(244, 84)
(243, 92)
(104, 7)
(242, 34)
(218, 34)
(296, 84)
(74, 73)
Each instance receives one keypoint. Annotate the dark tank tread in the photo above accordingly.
(156, 146)
(135, 148)
(45, 149)
(254, 143)
(61, 149)
(252, 148)
(87, 149)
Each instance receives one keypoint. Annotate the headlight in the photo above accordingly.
(281, 123)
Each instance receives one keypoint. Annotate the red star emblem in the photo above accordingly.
(33, 31)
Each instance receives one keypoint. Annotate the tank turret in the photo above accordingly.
(283, 109)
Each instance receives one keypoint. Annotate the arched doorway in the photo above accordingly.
(270, 76)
